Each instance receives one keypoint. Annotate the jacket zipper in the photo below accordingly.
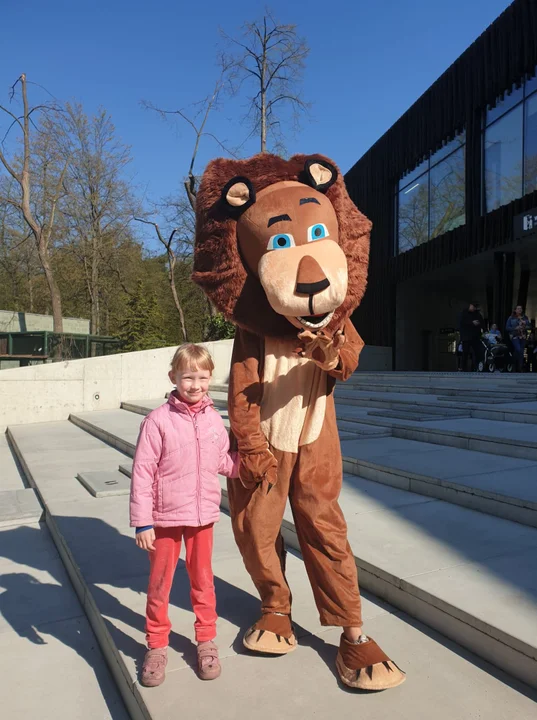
(198, 494)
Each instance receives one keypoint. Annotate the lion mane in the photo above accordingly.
(218, 267)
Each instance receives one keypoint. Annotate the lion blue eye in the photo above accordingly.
(317, 232)
(280, 242)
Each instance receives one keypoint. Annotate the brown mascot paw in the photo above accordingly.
(272, 634)
(322, 349)
(256, 467)
(366, 667)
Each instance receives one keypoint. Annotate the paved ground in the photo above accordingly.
(50, 662)
(472, 574)
(113, 573)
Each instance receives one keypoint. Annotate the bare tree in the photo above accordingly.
(197, 118)
(270, 56)
(52, 175)
(172, 262)
(99, 203)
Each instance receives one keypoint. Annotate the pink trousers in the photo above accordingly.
(163, 561)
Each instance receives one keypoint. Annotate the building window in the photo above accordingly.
(447, 194)
(430, 198)
(530, 144)
(413, 222)
(510, 146)
(503, 159)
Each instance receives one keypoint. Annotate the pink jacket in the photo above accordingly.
(176, 465)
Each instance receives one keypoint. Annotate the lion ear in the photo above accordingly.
(238, 194)
(320, 174)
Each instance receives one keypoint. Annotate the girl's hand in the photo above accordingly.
(145, 540)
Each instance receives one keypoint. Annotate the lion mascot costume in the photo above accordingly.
(282, 252)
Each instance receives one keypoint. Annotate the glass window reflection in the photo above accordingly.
(413, 175)
(503, 160)
(448, 148)
(530, 145)
(531, 84)
(447, 194)
(413, 217)
(502, 106)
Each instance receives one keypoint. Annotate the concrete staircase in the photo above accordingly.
(440, 498)
(51, 665)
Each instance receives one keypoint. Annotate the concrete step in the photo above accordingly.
(18, 503)
(482, 398)
(485, 386)
(50, 662)
(507, 488)
(510, 412)
(416, 415)
(345, 394)
(118, 428)
(18, 507)
(348, 430)
(505, 380)
(110, 574)
(363, 431)
(502, 486)
(11, 477)
(418, 408)
(471, 394)
(490, 436)
(421, 554)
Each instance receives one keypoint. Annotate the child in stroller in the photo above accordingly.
(496, 355)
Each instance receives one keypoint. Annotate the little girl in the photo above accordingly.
(175, 494)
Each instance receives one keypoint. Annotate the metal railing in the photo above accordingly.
(44, 345)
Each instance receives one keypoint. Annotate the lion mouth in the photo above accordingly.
(316, 322)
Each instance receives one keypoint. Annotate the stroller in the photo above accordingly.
(496, 356)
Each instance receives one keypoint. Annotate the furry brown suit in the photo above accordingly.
(283, 252)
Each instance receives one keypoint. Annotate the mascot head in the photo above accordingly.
(280, 245)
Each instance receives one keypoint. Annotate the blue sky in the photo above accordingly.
(369, 62)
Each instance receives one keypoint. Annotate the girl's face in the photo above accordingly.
(519, 310)
(192, 385)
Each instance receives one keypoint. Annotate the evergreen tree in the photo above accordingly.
(140, 329)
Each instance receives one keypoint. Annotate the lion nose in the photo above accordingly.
(310, 278)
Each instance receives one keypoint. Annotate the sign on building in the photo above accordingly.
(525, 224)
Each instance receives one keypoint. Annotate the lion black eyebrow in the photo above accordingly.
(303, 201)
(278, 218)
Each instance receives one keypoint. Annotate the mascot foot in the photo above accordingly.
(272, 634)
(364, 666)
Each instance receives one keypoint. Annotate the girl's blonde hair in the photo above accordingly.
(192, 357)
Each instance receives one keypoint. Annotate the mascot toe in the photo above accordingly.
(282, 251)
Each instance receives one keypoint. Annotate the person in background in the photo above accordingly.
(531, 347)
(470, 327)
(517, 327)
(495, 333)
(493, 336)
(459, 356)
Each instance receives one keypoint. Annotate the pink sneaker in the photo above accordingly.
(208, 661)
(154, 668)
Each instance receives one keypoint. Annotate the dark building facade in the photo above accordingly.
(451, 190)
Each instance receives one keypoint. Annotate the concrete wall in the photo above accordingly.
(375, 359)
(421, 309)
(44, 393)
(11, 321)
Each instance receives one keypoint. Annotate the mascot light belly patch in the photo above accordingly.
(283, 252)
